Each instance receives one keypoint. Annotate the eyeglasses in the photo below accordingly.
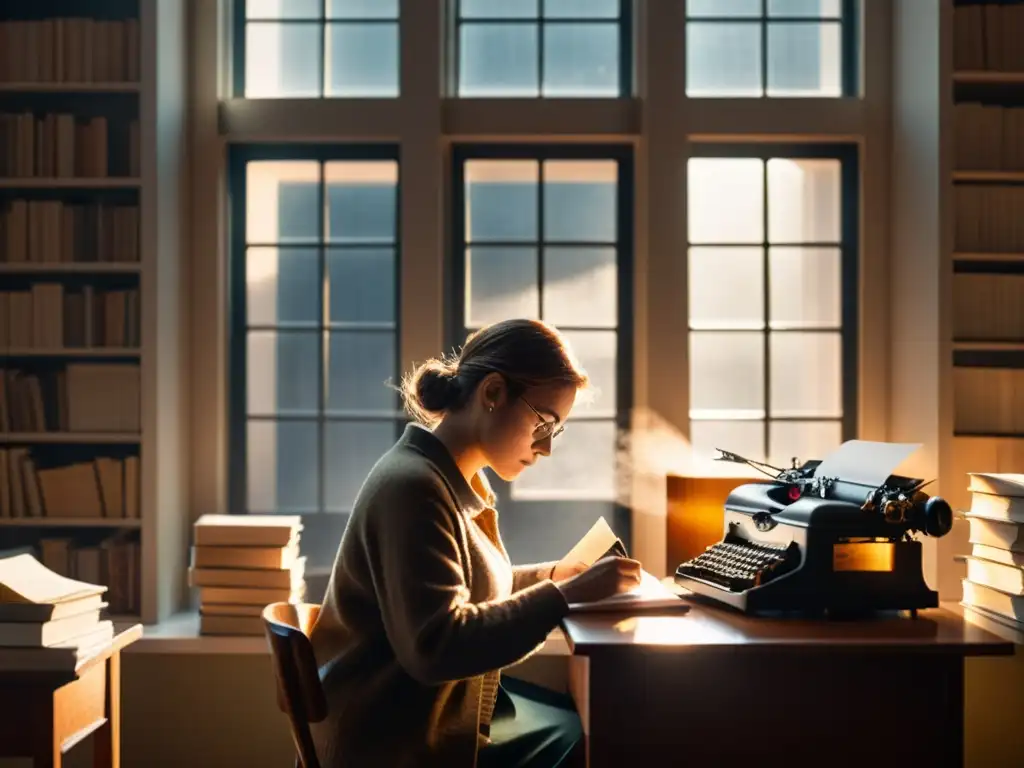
(545, 428)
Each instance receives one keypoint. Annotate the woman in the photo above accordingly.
(423, 608)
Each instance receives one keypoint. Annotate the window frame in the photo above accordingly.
(626, 29)
(239, 155)
(455, 276)
(240, 22)
(848, 155)
(849, 40)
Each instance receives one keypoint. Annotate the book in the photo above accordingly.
(246, 530)
(1004, 578)
(62, 657)
(1008, 509)
(49, 633)
(1000, 534)
(997, 484)
(24, 581)
(650, 595)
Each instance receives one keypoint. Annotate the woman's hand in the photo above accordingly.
(566, 570)
(608, 576)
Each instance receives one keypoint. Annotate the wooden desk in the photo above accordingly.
(715, 687)
(44, 714)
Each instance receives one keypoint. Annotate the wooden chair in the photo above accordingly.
(299, 693)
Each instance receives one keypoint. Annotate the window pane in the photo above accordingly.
(282, 286)
(804, 201)
(726, 288)
(581, 286)
(725, 200)
(501, 283)
(501, 200)
(581, 465)
(281, 202)
(723, 8)
(362, 9)
(723, 59)
(361, 285)
(579, 201)
(498, 9)
(282, 60)
(351, 448)
(581, 60)
(498, 60)
(282, 466)
(361, 201)
(743, 437)
(282, 9)
(360, 367)
(804, 59)
(806, 8)
(806, 374)
(581, 9)
(281, 376)
(596, 351)
(362, 60)
(806, 285)
(805, 440)
(726, 374)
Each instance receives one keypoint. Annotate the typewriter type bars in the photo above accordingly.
(738, 565)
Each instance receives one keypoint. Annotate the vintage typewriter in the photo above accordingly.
(832, 536)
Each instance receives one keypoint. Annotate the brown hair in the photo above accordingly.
(528, 353)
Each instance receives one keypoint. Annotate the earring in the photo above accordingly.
(490, 408)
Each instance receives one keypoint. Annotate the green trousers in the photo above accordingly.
(532, 727)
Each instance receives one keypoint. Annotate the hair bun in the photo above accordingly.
(436, 387)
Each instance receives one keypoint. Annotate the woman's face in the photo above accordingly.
(520, 429)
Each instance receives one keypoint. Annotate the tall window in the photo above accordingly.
(743, 48)
(314, 331)
(316, 48)
(772, 300)
(547, 234)
(530, 48)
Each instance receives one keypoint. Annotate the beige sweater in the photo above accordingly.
(422, 604)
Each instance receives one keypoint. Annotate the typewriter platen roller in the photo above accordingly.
(809, 540)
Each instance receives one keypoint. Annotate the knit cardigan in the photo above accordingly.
(422, 610)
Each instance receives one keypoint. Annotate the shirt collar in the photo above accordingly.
(473, 498)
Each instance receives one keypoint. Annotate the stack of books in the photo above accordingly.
(48, 621)
(241, 564)
(994, 586)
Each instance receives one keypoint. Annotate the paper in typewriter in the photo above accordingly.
(865, 462)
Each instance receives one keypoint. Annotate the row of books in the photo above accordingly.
(49, 621)
(988, 137)
(51, 316)
(988, 400)
(988, 218)
(994, 583)
(112, 561)
(988, 306)
(83, 397)
(987, 37)
(67, 146)
(52, 231)
(106, 487)
(241, 564)
(69, 50)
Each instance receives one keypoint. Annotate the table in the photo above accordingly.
(716, 687)
(43, 714)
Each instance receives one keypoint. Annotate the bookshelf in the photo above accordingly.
(92, 417)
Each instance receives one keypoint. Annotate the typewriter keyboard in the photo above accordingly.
(738, 565)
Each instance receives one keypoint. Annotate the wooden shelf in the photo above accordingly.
(988, 346)
(990, 176)
(70, 267)
(90, 352)
(994, 256)
(70, 522)
(991, 435)
(108, 182)
(987, 77)
(69, 438)
(70, 87)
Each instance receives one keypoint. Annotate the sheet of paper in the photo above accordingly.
(650, 595)
(595, 543)
(865, 462)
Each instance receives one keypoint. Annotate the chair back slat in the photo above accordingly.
(299, 692)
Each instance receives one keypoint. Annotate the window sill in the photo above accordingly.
(179, 635)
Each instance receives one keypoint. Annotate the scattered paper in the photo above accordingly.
(592, 547)
(23, 579)
(865, 462)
